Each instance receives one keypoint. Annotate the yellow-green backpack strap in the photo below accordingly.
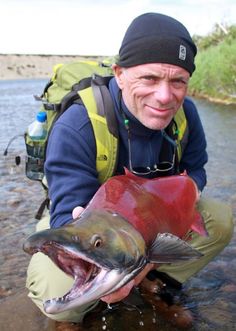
(182, 127)
(106, 143)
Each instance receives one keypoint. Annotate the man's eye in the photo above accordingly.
(148, 80)
(178, 83)
(151, 78)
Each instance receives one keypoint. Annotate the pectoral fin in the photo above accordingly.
(168, 248)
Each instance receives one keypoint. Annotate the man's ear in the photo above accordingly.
(118, 73)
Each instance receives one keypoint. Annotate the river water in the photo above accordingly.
(211, 295)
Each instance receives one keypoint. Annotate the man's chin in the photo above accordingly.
(156, 124)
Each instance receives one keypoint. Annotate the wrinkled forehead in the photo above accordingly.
(156, 70)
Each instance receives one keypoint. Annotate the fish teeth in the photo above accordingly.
(75, 238)
(61, 299)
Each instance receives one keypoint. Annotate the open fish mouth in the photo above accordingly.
(100, 256)
(89, 277)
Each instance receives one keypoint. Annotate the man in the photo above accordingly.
(156, 60)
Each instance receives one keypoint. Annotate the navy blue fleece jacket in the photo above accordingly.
(71, 155)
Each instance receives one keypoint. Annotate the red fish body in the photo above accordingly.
(165, 204)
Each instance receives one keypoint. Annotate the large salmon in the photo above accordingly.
(131, 221)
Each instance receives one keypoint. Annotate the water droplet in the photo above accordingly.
(141, 323)
(109, 306)
(154, 315)
(104, 326)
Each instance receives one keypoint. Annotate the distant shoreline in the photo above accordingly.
(20, 66)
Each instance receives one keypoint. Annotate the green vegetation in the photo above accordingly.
(215, 76)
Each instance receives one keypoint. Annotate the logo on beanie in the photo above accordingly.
(182, 52)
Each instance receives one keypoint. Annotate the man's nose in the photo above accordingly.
(163, 92)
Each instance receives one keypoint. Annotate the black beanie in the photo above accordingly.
(157, 38)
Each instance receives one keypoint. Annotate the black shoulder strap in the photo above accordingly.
(171, 131)
(104, 102)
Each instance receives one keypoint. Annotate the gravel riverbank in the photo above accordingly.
(15, 66)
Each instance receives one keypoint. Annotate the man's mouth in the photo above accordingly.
(159, 109)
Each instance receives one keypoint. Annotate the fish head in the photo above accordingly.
(100, 250)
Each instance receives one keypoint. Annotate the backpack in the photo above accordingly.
(82, 82)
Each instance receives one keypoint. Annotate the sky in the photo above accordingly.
(95, 27)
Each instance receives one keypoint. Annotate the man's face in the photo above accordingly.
(153, 92)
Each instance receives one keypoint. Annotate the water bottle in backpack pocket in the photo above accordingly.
(35, 138)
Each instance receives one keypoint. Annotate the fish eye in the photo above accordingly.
(96, 241)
